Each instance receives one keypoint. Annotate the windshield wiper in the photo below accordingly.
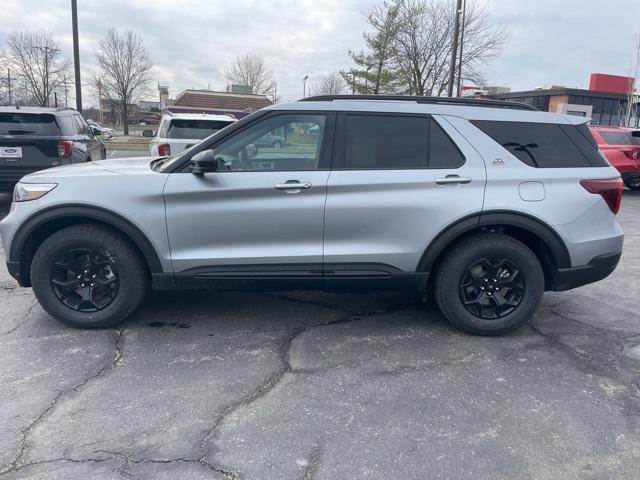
(20, 132)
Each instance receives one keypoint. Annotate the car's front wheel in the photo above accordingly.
(88, 276)
(633, 182)
(489, 284)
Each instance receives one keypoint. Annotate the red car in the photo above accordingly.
(621, 146)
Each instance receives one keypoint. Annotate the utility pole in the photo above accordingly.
(304, 86)
(454, 48)
(55, 99)
(9, 84)
(464, 15)
(76, 54)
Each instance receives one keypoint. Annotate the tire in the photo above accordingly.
(479, 265)
(277, 144)
(633, 183)
(119, 272)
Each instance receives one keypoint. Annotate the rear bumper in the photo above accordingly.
(9, 178)
(597, 269)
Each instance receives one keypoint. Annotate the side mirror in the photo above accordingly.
(96, 131)
(204, 162)
(147, 133)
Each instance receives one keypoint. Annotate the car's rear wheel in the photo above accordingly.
(489, 284)
(88, 276)
(633, 182)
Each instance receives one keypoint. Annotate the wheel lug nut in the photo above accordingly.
(481, 288)
(94, 276)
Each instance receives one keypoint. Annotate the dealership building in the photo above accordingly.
(605, 101)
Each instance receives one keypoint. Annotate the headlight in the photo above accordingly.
(31, 191)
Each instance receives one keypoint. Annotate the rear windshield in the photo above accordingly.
(28, 124)
(189, 129)
(546, 145)
(621, 138)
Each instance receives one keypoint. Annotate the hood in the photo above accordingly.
(121, 166)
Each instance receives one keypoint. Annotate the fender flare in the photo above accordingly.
(86, 213)
(476, 221)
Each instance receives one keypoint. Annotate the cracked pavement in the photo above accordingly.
(311, 385)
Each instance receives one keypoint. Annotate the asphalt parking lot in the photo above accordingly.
(326, 386)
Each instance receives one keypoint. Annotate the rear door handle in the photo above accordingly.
(452, 180)
(293, 185)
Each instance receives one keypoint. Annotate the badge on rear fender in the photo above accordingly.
(498, 162)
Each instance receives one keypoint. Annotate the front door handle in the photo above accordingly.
(452, 180)
(293, 185)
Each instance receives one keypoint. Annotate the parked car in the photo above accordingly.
(107, 132)
(621, 146)
(271, 140)
(177, 132)
(487, 203)
(34, 138)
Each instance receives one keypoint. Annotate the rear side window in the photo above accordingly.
(28, 124)
(545, 145)
(190, 129)
(397, 142)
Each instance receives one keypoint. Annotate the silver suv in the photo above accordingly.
(486, 204)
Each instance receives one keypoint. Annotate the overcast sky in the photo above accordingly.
(191, 41)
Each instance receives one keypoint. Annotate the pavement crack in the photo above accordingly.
(24, 318)
(312, 464)
(262, 390)
(26, 432)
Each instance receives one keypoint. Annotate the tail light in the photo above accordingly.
(631, 154)
(164, 150)
(65, 148)
(610, 189)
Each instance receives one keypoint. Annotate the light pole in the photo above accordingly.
(76, 54)
(464, 14)
(454, 48)
(304, 86)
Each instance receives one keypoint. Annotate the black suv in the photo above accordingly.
(35, 138)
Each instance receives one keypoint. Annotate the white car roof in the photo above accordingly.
(408, 106)
(201, 116)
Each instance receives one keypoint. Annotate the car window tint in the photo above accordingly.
(543, 145)
(194, 129)
(281, 142)
(443, 153)
(67, 125)
(80, 124)
(398, 142)
(28, 124)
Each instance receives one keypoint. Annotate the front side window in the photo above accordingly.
(397, 142)
(280, 142)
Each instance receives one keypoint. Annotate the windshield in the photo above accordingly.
(28, 124)
(620, 138)
(195, 129)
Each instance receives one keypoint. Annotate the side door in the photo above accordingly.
(261, 213)
(398, 180)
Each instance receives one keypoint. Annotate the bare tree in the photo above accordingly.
(417, 51)
(630, 108)
(125, 65)
(36, 57)
(332, 84)
(250, 70)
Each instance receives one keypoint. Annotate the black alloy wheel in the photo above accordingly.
(492, 288)
(85, 280)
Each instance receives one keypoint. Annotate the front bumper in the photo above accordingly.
(597, 269)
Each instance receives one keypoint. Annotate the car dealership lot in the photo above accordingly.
(316, 385)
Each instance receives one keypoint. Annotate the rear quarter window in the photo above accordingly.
(194, 129)
(545, 145)
(28, 124)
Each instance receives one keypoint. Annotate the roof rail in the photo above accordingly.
(469, 102)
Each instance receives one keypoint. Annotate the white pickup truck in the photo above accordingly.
(179, 131)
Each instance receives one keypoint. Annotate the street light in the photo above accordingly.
(304, 86)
